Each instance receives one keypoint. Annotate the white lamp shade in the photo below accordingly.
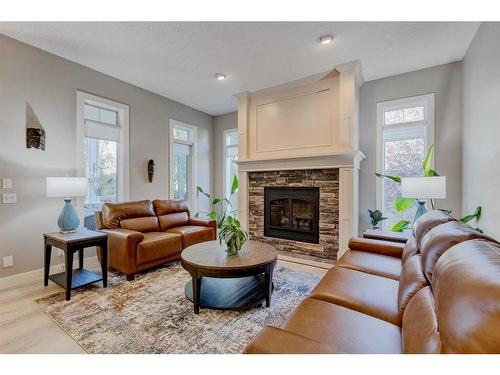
(423, 187)
(66, 186)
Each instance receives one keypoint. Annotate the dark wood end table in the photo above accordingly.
(71, 243)
(222, 281)
(384, 235)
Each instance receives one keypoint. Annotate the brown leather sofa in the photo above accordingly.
(144, 234)
(438, 293)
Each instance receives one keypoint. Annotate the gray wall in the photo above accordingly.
(481, 127)
(221, 123)
(446, 82)
(49, 84)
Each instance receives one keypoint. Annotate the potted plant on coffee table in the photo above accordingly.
(232, 234)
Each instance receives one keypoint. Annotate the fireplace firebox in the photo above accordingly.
(292, 213)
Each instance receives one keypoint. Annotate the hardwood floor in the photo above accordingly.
(24, 328)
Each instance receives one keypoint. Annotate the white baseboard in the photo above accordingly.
(93, 262)
(306, 262)
(37, 275)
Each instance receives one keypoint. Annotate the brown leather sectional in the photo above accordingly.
(438, 293)
(144, 234)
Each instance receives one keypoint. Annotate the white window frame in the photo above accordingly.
(193, 143)
(427, 100)
(105, 131)
(224, 167)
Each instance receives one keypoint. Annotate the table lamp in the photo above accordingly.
(67, 187)
(423, 188)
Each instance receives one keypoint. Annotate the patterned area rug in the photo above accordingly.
(152, 315)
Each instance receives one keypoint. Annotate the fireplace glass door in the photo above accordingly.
(292, 213)
(280, 213)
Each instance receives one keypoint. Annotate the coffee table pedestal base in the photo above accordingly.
(230, 293)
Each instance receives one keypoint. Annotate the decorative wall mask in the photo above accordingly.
(35, 134)
(151, 170)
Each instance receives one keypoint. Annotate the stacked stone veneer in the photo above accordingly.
(327, 180)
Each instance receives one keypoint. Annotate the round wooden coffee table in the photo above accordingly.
(223, 281)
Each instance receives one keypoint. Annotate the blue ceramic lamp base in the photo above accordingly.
(420, 210)
(68, 221)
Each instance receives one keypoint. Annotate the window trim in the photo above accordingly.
(224, 167)
(428, 101)
(193, 143)
(123, 111)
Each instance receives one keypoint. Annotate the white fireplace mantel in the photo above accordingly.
(336, 160)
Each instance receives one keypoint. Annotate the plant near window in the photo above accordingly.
(232, 234)
(220, 208)
(475, 215)
(375, 218)
(401, 226)
(402, 204)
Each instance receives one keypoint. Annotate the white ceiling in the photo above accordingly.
(178, 60)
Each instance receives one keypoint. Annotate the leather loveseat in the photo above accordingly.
(438, 293)
(144, 234)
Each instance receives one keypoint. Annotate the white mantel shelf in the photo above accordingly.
(336, 160)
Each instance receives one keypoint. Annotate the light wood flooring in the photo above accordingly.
(24, 328)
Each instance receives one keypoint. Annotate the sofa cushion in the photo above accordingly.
(372, 295)
(411, 281)
(173, 220)
(420, 332)
(273, 340)
(409, 250)
(158, 245)
(466, 286)
(164, 207)
(439, 239)
(193, 234)
(113, 213)
(343, 329)
(428, 221)
(141, 224)
(375, 264)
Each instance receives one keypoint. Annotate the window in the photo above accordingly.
(405, 130)
(103, 141)
(230, 167)
(98, 114)
(182, 162)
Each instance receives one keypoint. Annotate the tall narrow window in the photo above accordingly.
(405, 131)
(182, 163)
(103, 133)
(230, 167)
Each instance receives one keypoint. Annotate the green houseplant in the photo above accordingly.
(220, 208)
(402, 204)
(375, 218)
(232, 234)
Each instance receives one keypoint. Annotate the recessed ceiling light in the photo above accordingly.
(220, 76)
(325, 38)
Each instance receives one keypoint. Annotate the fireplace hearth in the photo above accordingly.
(292, 213)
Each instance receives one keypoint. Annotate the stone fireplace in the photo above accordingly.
(296, 211)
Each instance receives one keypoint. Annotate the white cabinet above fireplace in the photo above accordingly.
(310, 117)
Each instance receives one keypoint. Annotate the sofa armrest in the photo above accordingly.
(204, 223)
(272, 340)
(393, 249)
(122, 249)
(384, 235)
